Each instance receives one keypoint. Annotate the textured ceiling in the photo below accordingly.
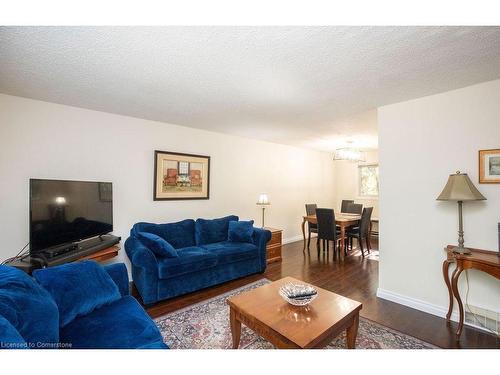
(306, 86)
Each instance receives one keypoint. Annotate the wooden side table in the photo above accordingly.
(482, 260)
(274, 245)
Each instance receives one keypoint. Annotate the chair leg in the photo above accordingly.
(361, 246)
(309, 240)
(368, 243)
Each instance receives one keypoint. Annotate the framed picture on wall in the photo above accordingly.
(489, 166)
(181, 176)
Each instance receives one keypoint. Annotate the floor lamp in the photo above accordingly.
(263, 202)
(460, 188)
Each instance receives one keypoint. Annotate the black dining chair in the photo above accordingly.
(362, 231)
(326, 228)
(312, 228)
(354, 208)
(345, 203)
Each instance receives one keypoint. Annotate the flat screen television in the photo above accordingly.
(63, 212)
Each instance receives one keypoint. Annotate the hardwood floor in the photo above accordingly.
(356, 278)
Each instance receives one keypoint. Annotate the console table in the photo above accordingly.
(482, 260)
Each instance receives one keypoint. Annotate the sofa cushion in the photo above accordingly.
(28, 307)
(9, 337)
(120, 325)
(157, 245)
(230, 252)
(78, 288)
(190, 259)
(240, 231)
(213, 230)
(179, 234)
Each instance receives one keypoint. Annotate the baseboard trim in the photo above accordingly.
(422, 306)
(415, 304)
(292, 239)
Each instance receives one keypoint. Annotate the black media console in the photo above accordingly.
(65, 253)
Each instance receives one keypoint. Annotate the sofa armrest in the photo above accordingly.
(144, 269)
(260, 238)
(119, 274)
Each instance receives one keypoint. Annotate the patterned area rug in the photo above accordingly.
(205, 325)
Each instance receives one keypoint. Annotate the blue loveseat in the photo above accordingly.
(201, 255)
(77, 305)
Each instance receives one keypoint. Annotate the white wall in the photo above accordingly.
(347, 183)
(46, 140)
(421, 142)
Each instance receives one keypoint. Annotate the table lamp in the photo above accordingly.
(263, 202)
(460, 188)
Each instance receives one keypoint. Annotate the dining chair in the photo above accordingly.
(345, 203)
(327, 230)
(312, 228)
(362, 231)
(354, 208)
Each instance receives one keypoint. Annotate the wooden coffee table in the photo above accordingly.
(285, 326)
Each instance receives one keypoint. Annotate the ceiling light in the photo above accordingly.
(349, 154)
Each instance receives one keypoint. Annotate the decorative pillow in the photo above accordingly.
(9, 337)
(212, 231)
(157, 245)
(78, 288)
(179, 234)
(240, 231)
(28, 307)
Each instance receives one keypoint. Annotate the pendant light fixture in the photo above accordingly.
(349, 153)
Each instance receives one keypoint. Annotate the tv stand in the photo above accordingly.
(98, 248)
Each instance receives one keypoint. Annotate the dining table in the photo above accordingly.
(343, 221)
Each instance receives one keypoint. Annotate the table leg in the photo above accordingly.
(235, 328)
(456, 293)
(446, 275)
(304, 233)
(352, 332)
(342, 241)
(368, 239)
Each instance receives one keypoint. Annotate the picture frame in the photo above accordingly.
(180, 176)
(489, 166)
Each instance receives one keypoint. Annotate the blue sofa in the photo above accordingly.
(78, 305)
(203, 256)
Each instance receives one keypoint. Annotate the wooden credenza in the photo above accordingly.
(103, 255)
(274, 245)
(99, 256)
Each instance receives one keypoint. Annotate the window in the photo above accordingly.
(183, 167)
(368, 180)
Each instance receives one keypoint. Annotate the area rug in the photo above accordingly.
(205, 325)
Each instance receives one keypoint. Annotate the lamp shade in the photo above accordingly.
(460, 188)
(263, 199)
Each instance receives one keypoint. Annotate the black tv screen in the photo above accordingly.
(68, 211)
